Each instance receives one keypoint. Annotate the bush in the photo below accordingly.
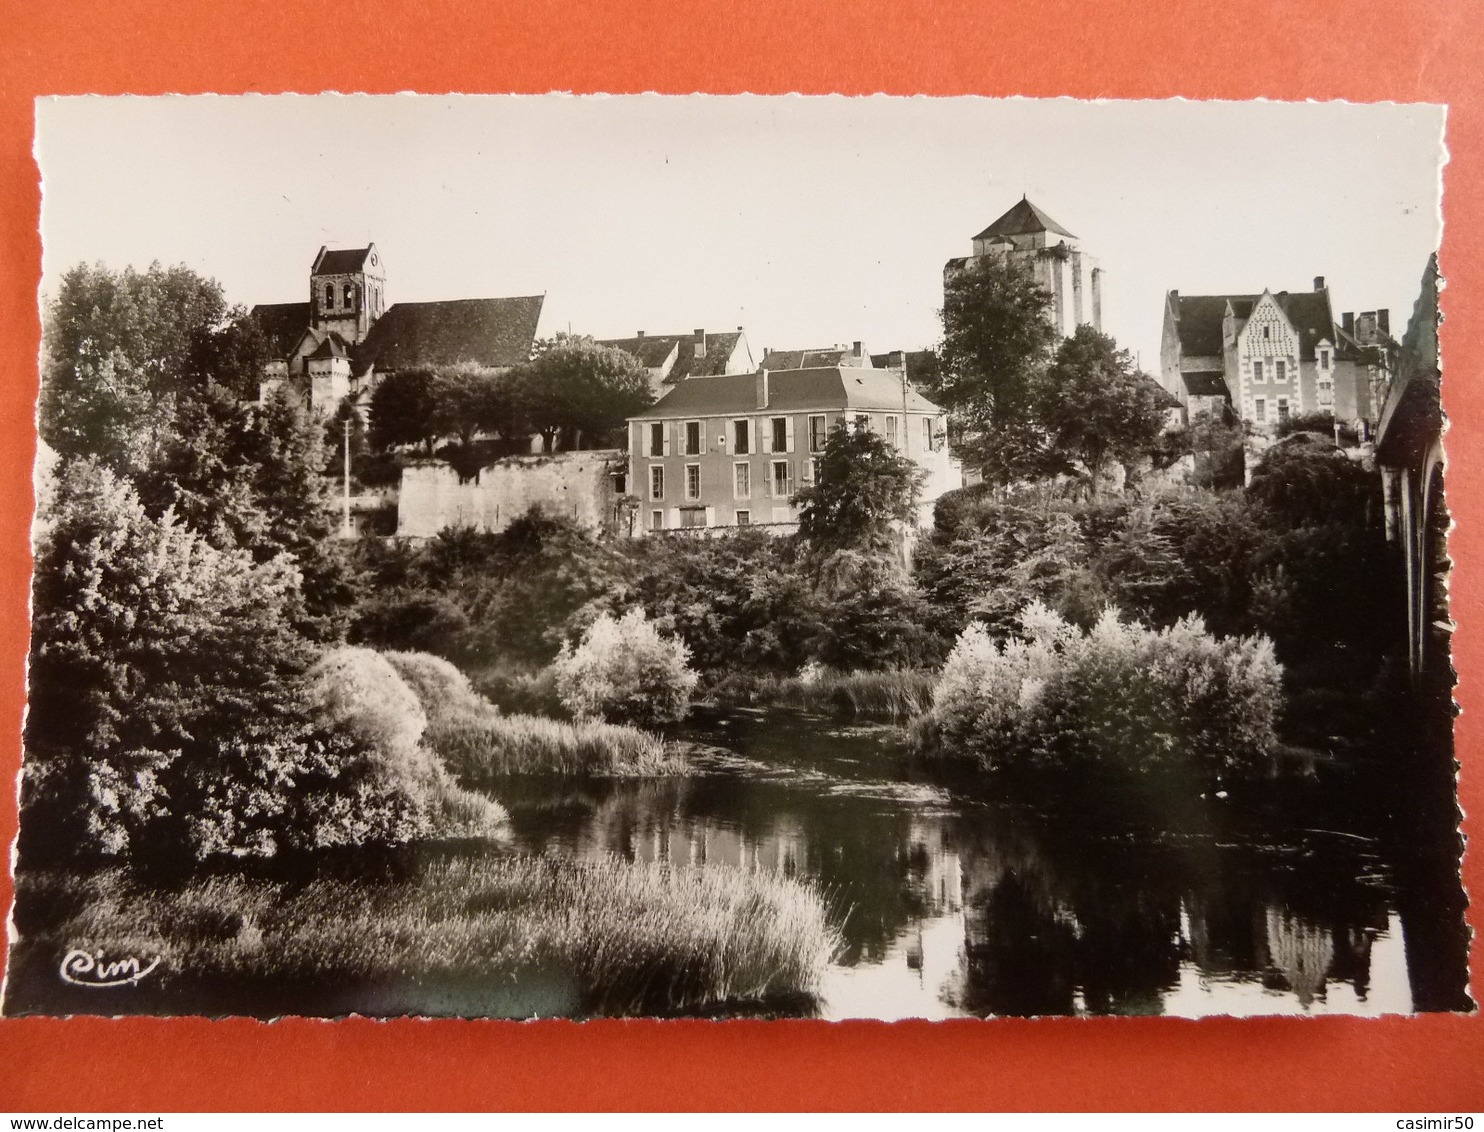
(1118, 695)
(626, 672)
(391, 787)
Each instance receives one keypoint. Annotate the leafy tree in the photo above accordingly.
(1097, 407)
(161, 675)
(862, 488)
(997, 340)
(231, 355)
(473, 399)
(119, 346)
(404, 410)
(625, 671)
(1215, 441)
(578, 390)
(1305, 480)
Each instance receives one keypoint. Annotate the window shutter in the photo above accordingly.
(674, 518)
(789, 428)
(765, 431)
(711, 516)
(667, 431)
(752, 435)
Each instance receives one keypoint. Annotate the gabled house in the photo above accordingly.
(672, 358)
(345, 338)
(1274, 356)
(732, 450)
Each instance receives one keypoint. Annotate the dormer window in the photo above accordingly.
(1324, 359)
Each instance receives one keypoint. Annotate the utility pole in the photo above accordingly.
(345, 501)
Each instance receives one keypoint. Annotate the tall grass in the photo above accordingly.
(896, 693)
(478, 751)
(479, 744)
(617, 938)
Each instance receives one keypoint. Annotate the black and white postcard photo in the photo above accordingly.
(738, 557)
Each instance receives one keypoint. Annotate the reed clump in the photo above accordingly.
(616, 937)
(894, 693)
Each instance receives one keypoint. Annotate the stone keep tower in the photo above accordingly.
(1052, 255)
(347, 292)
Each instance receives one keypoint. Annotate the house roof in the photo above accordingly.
(789, 391)
(282, 324)
(331, 346)
(809, 359)
(341, 261)
(719, 349)
(1023, 219)
(1205, 383)
(490, 332)
(651, 352)
(1201, 316)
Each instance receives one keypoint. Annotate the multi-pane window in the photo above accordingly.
(657, 481)
(1326, 393)
(692, 438)
(657, 439)
(783, 484)
(741, 437)
(1282, 410)
(1256, 371)
(656, 520)
(1260, 409)
(818, 431)
(620, 483)
(809, 471)
(741, 481)
(693, 481)
(744, 518)
(1280, 371)
(862, 422)
(927, 434)
(891, 431)
(1324, 359)
(779, 426)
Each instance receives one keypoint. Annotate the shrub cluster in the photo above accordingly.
(625, 671)
(1119, 695)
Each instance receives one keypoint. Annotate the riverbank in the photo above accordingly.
(483, 935)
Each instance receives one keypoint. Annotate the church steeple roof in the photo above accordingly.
(1023, 219)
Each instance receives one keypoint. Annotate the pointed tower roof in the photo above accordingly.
(1021, 220)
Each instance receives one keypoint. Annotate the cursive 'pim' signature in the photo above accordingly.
(89, 969)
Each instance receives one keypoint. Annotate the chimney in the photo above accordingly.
(762, 387)
(897, 359)
(1318, 282)
(739, 330)
(1383, 320)
(855, 348)
(639, 335)
(700, 342)
(1365, 326)
(1347, 322)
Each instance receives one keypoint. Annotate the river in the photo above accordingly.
(962, 898)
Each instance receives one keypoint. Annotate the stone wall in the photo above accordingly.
(576, 484)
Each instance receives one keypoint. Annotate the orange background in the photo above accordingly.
(1404, 50)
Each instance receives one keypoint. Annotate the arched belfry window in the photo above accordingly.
(350, 295)
(329, 295)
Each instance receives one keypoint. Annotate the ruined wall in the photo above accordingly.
(576, 484)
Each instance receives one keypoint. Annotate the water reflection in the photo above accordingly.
(952, 904)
